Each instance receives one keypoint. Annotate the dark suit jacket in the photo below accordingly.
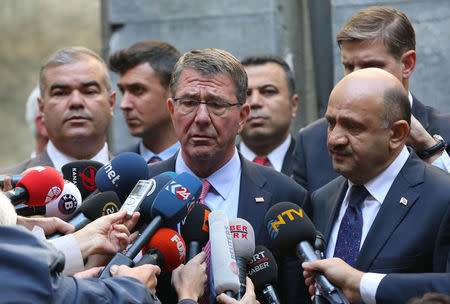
(399, 288)
(312, 165)
(274, 187)
(411, 238)
(288, 159)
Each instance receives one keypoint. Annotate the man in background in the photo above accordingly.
(35, 123)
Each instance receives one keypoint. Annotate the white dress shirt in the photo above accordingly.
(276, 157)
(168, 153)
(59, 159)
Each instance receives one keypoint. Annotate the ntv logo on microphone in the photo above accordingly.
(273, 226)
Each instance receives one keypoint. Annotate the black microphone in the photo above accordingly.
(14, 179)
(82, 174)
(292, 232)
(101, 204)
(263, 271)
(195, 229)
(320, 245)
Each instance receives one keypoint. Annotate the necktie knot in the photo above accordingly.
(262, 161)
(358, 194)
(154, 159)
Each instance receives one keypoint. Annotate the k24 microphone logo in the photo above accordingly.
(181, 192)
(273, 225)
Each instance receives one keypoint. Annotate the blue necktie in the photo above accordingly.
(350, 230)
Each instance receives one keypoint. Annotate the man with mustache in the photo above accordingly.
(77, 105)
(266, 137)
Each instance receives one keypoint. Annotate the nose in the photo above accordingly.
(254, 99)
(202, 115)
(336, 137)
(76, 99)
(125, 101)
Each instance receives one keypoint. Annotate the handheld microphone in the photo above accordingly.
(263, 271)
(121, 174)
(65, 206)
(171, 203)
(292, 232)
(165, 249)
(14, 180)
(195, 229)
(243, 238)
(320, 245)
(38, 187)
(82, 174)
(101, 204)
(223, 260)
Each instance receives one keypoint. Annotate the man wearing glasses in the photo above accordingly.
(208, 111)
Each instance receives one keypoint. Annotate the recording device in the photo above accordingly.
(243, 238)
(165, 249)
(65, 206)
(121, 174)
(82, 174)
(101, 204)
(14, 180)
(195, 229)
(263, 271)
(223, 259)
(137, 195)
(171, 203)
(292, 232)
(38, 187)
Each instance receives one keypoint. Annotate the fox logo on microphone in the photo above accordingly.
(180, 246)
(289, 215)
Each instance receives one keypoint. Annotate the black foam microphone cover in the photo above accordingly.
(101, 204)
(82, 174)
(195, 229)
(288, 225)
(262, 269)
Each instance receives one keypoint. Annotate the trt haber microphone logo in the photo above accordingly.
(273, 225)
(88, 178)
(181, 192)
(53, 193)
(110, 208)
(257, 263)
(180, 246)
(238, 231)
(67, 204)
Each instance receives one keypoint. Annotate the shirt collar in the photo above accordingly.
(59, 159)
(410, 98)
(147, 154)
(276, 157)
(379, 186)
(223, 179)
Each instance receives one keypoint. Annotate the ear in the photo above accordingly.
(39, 123)
(40, 104)
(243, 114)
(112, 102)
(408, 60)
(294, 105)
(170, 105)
(399, 134)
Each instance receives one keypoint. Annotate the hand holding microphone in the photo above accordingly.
(189, 279)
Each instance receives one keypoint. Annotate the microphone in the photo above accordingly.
(223, 260)
(263, 271)
(195, 229)
(38, 187)
(65, 206)
(121, 174)
(14, 179)
(165, 249)
(292, 232)
(243, 238)
(320, 245)
(101, 204)
(82, 174)
(171, 203)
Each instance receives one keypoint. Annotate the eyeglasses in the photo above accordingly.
(186, 105)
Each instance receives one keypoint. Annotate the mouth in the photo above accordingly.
(77, 119)
(257, 119)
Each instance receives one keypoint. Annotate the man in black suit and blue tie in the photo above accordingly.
(400, 224)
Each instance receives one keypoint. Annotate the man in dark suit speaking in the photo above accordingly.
(386, 212)
(208, 110)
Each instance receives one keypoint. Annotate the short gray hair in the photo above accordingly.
(71, 55)
(8, 215)
(211, 61)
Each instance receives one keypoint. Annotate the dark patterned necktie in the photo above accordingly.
(350, 230)
(154, 159)
(204, 299)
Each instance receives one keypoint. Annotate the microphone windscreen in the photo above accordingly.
(82, 174)
(223, 261)
(67, 204)
(145, 208)
(288, 225)
(173, 200)
(243, 238)
(195, 226)
(171, 245)
(43, 185)
(262, 268)
(101, 204)
(121, 174)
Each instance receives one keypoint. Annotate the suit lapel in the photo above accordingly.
(334, 204)
(252, 190)
(401, 197)
(286, 167)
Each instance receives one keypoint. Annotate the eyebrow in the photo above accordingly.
(196, 96)
(66, 86)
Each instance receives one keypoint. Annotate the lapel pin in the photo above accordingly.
(259, 199)
(403, 201)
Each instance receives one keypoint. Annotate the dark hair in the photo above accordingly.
(159, 54)
(396, 106)
(431, 298)
(380, 22)
(210, 62)
(260, 59)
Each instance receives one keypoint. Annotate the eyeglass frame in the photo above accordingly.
(227, 104)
